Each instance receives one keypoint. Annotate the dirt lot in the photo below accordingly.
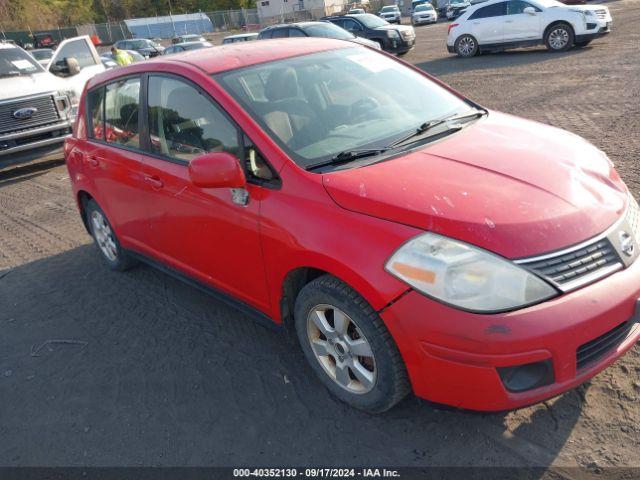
(101, 368)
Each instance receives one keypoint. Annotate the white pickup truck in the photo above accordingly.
(37, 104)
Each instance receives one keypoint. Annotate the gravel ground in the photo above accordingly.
(100, 368)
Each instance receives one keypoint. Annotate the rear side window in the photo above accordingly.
(184, 124)
(280, 33)
(96, 113)
(495, 10)
(296, 32)
(516, 7)
(122, 103)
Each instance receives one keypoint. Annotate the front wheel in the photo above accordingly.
(466, 46)
(348, 346)
(559, 37)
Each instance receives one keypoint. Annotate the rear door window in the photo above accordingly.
(122, 104)
(495, 10)
(280, 33)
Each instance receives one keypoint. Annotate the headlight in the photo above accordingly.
(465, 276)
(393, 34)
(74, 101)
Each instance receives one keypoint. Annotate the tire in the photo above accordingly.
(559, 37)
(466, 46)
(105, 239)
(375, 380)
(582, 44)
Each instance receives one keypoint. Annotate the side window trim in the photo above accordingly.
(145, 140)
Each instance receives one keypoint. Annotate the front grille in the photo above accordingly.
(601, 13)
(47, 113)
(598, 347)
(633, 217)
(575, 265)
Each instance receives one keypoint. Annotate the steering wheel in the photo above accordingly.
(361, 109)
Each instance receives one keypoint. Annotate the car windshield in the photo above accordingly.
(423, 7)
(196, 46)
(328, 30)
(371, 21)
(141, 43)
(15, 61)
(42, 54)
(389, 8)
(316, 106)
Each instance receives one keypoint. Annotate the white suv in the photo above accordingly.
(391, 13)
(500, 24)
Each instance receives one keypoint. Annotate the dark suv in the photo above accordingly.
(398, 39)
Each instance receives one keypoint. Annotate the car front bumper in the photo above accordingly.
(422, 20)
(595, 29)
(455, 357)
(42, 143)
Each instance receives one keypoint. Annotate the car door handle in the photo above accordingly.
(154, 181)
(93, 161)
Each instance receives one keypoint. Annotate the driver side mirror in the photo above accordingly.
(529, 11)
(217, 170)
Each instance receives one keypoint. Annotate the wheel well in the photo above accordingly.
(293, 283)
(558, 22)
(83, 199)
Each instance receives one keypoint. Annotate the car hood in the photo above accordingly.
(394, 27)
(511, 186)
(586, 7)
(25, 85)
(366, 42)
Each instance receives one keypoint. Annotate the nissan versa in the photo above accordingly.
(412, 239)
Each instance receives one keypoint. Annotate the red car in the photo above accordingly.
(412, 239)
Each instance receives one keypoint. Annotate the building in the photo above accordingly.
(271, 11)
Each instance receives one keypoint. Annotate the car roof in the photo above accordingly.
(199, 42)
(242, 35)
(232, 56)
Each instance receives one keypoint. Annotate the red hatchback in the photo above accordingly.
(412, 239)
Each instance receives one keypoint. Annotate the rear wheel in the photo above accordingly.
(348, 346)
(105, 239)
(559, 37)
(466, 46)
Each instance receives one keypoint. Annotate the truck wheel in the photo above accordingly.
(559, 37)
(466, 46)
(105, 239)
(348, 346)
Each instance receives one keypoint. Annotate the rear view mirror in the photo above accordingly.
(529, 10)
(217, 170)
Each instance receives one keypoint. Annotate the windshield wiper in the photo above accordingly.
(348, 156)
(425, 127)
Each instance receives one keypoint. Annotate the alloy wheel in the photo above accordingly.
(558, 38)
(104, 236)
(341, 348)
(466, 46)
